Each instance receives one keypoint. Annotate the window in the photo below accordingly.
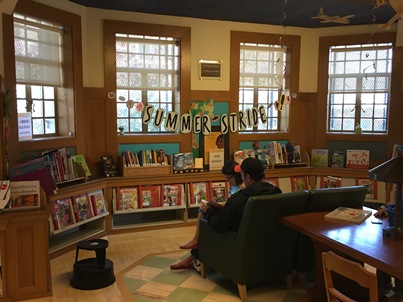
(359, 88)
(38, 61)
(147, 74)
(261, 81)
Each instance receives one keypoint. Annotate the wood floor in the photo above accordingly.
(123, 250)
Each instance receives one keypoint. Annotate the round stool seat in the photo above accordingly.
(87, 275)
(93, 273)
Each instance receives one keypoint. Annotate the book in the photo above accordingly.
(198, 191)
(5, 194)
(348, 215)
(397, 150)
(299, 183)
(319, 157)
(239, 156)
(46, 180)
(263, 156)
(249, 153)
(172, 195)
(330, 182)
(24, 194)
(178, 160)
(82, 207)
(370, 185)
(218, 191)
(357, 159)
(150, 196)
(62, 213)
(127, 198)
(337, 159)
(79, 159)
(297, 154)
(27, 167)
(108, 165)
(98, 202)
(188, 160)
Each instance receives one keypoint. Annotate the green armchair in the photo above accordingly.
(262, 249)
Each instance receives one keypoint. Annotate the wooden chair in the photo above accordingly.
(351, 270)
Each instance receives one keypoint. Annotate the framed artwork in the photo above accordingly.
(215, 140)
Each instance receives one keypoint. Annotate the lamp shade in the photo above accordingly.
(390, 171)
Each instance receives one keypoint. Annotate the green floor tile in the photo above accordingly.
(186, 295)
(171, 277)
(133, 284)
(157, 262)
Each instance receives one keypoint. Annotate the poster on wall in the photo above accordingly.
(215, 141)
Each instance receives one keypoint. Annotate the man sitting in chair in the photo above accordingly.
(228, 217)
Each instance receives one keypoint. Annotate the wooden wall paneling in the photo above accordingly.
(95, 128)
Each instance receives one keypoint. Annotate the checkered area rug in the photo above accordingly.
(151, 279)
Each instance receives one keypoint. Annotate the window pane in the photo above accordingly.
(359, 80)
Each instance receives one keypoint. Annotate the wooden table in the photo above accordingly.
(363, 242)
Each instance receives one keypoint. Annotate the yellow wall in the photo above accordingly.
(210, 41)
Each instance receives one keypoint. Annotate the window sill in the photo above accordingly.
(380, 137)
(47, 143)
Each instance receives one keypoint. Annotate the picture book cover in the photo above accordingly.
(263, 156)
(319, 157)
(98, 202)
(82, 207)
(109, 165)
(397, 150)
(239, 156)
(178, 160)
(297, 154)
(127, 199)
(357, 159)
(249, 153)
(198, 192)
(24, 194)
(80, 159)
(330, 182)
(218, 191)
(63, 213)
(172, 195)
(299, 183)
(337, 160)
(150, 196)
(370, 185)
(27, 167)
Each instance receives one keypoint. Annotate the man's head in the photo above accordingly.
(252, 170)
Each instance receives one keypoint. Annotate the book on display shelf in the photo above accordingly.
(218, 191)
(82, 207)
(172, 195)
(24, 194)
(239, 156)
(351, 215)
(63, 213)
(337, 159)
(319, 157)
(357, 159)
(299, 183)
(127, 198)
(370, 185)
(198, 192)
(150, 196)
(330, 182)
(263, 156)
(98, 202)
(108, 165)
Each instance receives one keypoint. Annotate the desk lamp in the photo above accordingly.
(392, 171)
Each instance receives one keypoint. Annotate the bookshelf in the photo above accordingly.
(140, 219)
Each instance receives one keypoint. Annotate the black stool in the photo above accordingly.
(93, 273)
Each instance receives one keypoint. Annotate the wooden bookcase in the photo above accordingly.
(141, 219)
